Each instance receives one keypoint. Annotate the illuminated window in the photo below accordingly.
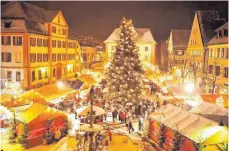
(32, 58)
(18, 76)
(218, 52)
(225, 74)
(17, 40)
(210, 69)
(6, 40)
(146, 48)
(9, 75)
(45, 57)
(217, 70)
(54, 57)
(39, 57)
(39, 75)
(69, 44)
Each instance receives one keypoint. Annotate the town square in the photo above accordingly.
(114, 76)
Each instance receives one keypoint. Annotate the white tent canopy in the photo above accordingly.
(184, 122)
(84, 111)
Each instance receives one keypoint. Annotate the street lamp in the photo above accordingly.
(189, 87)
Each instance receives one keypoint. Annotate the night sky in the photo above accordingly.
(99, 19)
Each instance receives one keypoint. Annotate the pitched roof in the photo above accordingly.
(143, 35)
(20, 9)
(40, 113)
(180, 38)
(33, 17)
(208, 22)
(219, 40)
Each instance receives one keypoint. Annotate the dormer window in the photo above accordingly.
(225, 32)
(8, 24)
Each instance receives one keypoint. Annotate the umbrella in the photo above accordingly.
(95, 128)
(129, 103)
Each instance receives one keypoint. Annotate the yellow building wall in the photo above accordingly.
(195, 44)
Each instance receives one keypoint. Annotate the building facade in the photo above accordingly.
(145, 42)
(36, 47)
(162, 55)
(204, 24)
(177, 46)
(218, 59)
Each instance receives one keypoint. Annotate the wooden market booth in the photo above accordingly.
(38, 120)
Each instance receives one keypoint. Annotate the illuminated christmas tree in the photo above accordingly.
(124, 75)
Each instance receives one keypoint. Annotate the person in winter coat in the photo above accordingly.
(139, 124)
(130, 126)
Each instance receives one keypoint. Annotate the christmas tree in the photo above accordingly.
(124, 75)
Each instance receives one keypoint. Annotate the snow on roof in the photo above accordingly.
(143, 35)
(180, 38)
(219, 40)
(208, 21)
(34, 17)
(184, 122)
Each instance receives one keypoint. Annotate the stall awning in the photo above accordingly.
(75, 84)
(85, 110)
(212, 98)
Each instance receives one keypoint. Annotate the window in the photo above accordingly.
(54, 72)
(33, 76)
(45, 42)
(6, 40)
(17, 57)
(59, 57)
(69, 57)
(39, 42)
(39, 57)
(45, 57)
(63, 70)
(53, 29)
(9, 75)
(18, 76)
(6, 57)
(225, 74)
(179, 52)
(73, 56)
(217, 70)
(59, 19)
(64, 32)
(59, 44)
(39, 75)
(63, 44)
(226, 53)
(146, 48)
(17, 41)
(8, 24)
(63, 57)
(54, 43)
(210, 53)
(54, 57)
(74, 45)
(84, 57)
(46, 74)
(32, 58)
(226, 32)
(32, 41)
(222, 53)
(218, 52)
(69, 44)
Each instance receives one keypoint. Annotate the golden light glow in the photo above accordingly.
(43, 69)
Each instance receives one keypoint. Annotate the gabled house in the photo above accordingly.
(177, 46)
(36, 46)
(145, 42)
(204, 24)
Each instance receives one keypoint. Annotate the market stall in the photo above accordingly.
(170, 124)
(84, 112)
(40, 122)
